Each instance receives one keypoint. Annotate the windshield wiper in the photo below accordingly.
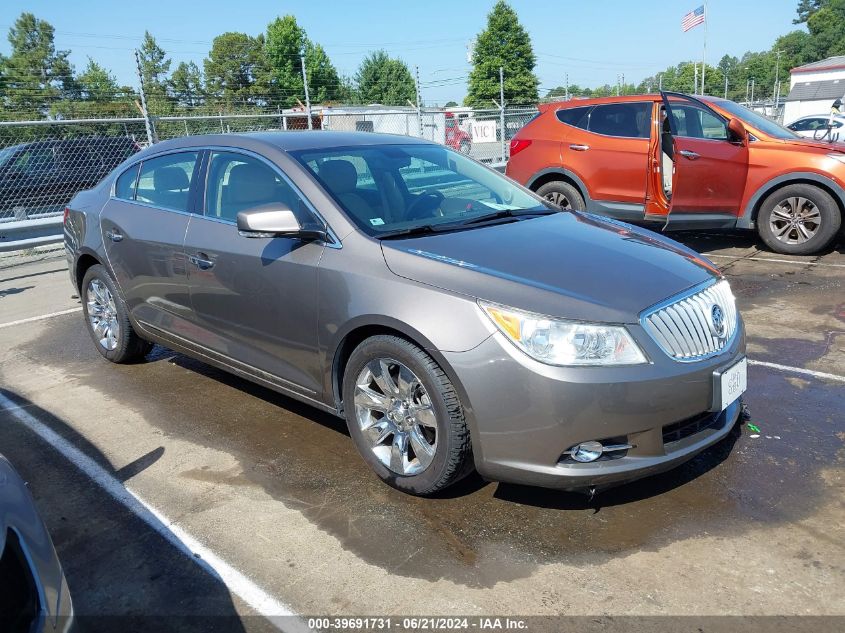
(506, 214)
(415, 230)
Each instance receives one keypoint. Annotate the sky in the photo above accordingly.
(592, 41)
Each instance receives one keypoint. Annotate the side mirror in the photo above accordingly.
(275, 220)
(737, 131)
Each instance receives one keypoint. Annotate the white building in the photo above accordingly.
(814, 87)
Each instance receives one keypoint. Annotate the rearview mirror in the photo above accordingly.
(737, 131)
(275, 220)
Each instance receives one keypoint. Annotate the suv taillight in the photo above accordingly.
(518, 144)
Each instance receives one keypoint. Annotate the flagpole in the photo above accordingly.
(704, 54)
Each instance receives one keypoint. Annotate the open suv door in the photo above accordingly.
(708, 155)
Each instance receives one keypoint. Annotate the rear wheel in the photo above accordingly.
(405, 416)
(107, 319)
(799, 219)
(562, 195)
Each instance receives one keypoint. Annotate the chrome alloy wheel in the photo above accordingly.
(396, 417)
(102, 314)
(559, 200)
(795, 220)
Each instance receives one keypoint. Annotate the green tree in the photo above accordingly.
(806, 8)
(97, 95)
(186, 85)
(286, 41)
(35, 74)
(96, 83)
(233, 67)
(383, 79)
(155, 65)
(504, 43)
(827, 29)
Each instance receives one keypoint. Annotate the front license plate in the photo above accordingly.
(733, 382)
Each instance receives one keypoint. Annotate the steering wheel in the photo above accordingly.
(416, 211)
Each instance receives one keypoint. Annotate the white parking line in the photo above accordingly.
(39, 318)
(797, 370)
(282, 616)
(773, 259)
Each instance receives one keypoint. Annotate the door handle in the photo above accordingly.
(689, 154)
(579, 148)
(201, 261)
(114, 235)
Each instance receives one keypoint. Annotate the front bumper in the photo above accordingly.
(524, 414)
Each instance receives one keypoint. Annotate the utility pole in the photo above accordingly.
(150, 137)
(747, 85)
(704, 53)
(752, 90)
(623, 83)
(617, 84)
(726, 85)
(419, 100)
(502, 110)
(307, 98)
(660, 82)
(776, 91)
(566, 82)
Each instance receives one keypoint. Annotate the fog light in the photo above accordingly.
(586, 451)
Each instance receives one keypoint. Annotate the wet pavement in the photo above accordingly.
(277, 489)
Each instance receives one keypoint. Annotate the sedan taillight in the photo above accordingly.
(518, 144)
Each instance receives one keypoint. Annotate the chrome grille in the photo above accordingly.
(684, 328)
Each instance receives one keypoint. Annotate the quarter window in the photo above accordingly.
(124, 188)
(237, 182)
(165, 181)
(576, 117)
(630, 120)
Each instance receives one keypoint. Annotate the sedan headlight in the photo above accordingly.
(558, 342)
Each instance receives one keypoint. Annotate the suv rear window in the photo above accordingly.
(576, 117)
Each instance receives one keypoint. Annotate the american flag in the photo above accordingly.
(693, 19)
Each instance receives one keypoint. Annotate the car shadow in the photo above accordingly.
(122, 573)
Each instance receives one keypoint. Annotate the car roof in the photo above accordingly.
(578, 102)
(289, 140)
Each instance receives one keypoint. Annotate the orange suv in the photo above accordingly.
(685, 163)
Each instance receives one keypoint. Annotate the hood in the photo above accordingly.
(568, 265)
(826, 146)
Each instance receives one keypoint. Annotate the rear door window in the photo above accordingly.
(165, 181)
(628, 120)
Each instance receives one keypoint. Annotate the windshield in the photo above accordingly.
(755, 120)
(387, 189)
(7, 154)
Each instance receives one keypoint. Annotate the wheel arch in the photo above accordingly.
(363, 328)
(558, 174)
(748, 219)
(84, 261)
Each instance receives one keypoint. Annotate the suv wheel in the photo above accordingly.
(562, 195)
(107, 319)
(405, 416)
(799, 220)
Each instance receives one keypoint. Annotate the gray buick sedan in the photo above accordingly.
(453, 318)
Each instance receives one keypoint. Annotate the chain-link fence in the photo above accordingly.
(43, 164)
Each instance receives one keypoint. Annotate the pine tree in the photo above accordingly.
(385, 80)
(503, 44)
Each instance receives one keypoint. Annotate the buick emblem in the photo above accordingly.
(717, 321)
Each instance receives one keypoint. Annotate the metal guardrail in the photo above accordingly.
(23, 234)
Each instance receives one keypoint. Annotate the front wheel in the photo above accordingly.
(799, 219)
(107, 319)
(405, 416)
(562, 195)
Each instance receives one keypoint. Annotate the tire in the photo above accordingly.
(117, 342)
(562, 195)
(434, 415)
(787, 216)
